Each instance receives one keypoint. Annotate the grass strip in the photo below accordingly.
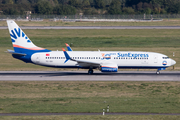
(47, 97)
(98, 117)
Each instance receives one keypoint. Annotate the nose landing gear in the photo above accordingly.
(158, 72)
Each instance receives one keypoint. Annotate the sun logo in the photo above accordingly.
(19, 34)
(164, 63)
(106, 56)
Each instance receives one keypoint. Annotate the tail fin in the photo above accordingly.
(19, 39)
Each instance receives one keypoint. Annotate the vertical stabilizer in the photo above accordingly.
(19, 39)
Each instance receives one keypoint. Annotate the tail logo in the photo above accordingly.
(19, 34)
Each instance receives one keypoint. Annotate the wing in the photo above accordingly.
(81, 62)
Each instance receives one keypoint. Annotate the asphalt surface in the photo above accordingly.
(83, 76)
(96, 27)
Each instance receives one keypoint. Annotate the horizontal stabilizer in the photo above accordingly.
(15, 53)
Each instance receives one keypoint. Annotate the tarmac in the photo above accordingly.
(83, 76)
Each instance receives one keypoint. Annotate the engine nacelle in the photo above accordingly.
(109, 68)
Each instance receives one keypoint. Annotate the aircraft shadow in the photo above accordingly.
(74, 73)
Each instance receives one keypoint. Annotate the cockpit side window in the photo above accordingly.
(165, 57)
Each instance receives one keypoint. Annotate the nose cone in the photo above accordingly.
(173, 62)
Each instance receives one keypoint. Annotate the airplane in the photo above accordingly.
(105, 61)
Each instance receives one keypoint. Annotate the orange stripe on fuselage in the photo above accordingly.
(33, 48)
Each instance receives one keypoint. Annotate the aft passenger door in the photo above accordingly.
(37, 58)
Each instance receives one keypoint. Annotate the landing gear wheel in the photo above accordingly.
(90, 72)
(157, 72)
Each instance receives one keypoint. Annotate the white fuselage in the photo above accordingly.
(123, 59)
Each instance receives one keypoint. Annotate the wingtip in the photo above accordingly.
(66, 44)
(63, 49)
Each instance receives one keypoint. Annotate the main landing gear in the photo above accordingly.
(90, 71)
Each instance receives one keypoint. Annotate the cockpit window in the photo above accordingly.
(165, 57)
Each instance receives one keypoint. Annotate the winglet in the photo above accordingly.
(68, 47)
(66, 55)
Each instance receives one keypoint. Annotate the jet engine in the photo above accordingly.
(109, 68)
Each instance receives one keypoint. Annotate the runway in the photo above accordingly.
(96, 27)
(83, 76)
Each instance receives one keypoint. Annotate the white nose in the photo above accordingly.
(173, 62)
